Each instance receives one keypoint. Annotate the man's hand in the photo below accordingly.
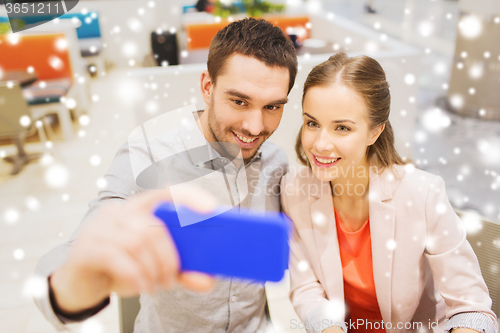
(126, 249)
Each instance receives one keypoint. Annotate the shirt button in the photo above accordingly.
(233, 298)
(224, 160)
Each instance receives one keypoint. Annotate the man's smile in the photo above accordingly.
(245, 141)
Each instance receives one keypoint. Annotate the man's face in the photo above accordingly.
(246, 104)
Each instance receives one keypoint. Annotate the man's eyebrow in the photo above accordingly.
(241, 95)
(280, 101)
(334, 121)
(236, 94)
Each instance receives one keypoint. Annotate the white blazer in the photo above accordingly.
(423, 267)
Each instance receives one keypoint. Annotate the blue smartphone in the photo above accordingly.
(234, 243)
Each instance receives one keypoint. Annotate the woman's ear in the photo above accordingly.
(206, 86)
(375, 133)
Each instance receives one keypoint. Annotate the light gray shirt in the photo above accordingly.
(183, 156)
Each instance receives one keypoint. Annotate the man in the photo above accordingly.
(251, 69)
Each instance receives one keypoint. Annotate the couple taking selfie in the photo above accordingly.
(376, 247)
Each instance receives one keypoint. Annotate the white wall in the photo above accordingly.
(481, 7)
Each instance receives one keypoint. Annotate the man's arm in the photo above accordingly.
(119, 246)
(125, 249)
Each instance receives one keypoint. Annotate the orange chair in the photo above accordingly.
(47, 54)
(199, 36)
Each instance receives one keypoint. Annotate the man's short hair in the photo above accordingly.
(255, 38)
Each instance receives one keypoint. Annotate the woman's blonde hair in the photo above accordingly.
(365, 76)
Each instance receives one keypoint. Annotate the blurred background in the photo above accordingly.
(73, 88)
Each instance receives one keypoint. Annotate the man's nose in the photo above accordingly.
(253, 122)
(324, 142)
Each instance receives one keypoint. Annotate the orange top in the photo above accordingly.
(357, 269)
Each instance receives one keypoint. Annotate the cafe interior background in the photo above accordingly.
(73, 89)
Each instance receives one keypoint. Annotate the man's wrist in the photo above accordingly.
(70, 298)
(74, 315)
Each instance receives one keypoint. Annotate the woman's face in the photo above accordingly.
(336, 132)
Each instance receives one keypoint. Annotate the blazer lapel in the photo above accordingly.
(325, 234)
(382, 228)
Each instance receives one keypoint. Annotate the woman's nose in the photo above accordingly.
(324, 142)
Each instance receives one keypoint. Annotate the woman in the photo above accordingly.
(377, 246)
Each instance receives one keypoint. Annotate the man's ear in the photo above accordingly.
(376, 132)
(206, 86)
